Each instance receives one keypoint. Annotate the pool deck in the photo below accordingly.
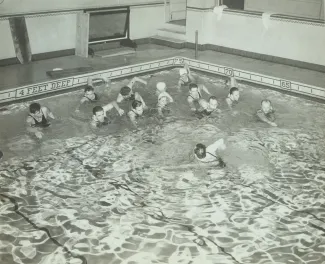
(14, 76)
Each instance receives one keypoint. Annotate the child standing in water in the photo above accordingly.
(99, 118)
(38, 119)
(231, 82)
(127, 93)
(136, 112)
(232, 99)
(89, 97)
(195, 94)
(266, 113)
(208, 107)
(164, 98)
(185, 77)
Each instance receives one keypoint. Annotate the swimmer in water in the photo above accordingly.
(195, 94)
(89, 97)
(38, 119)
(127, 94)
(231, 82)
(232, 99)
(136, 112)
(164, 98)
(185, 77)
(93, 81)
(266, 113)
(208, 108)
(209, 154)
(99, 118)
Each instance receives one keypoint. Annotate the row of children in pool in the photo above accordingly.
(38, 117)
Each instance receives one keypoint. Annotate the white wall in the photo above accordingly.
(303, 8)
(7, 49)
(285, 39)
(32, 6)
(145, 20)
(52, 33)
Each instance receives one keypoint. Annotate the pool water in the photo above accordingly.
(138, 196)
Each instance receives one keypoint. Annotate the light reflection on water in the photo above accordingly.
(138, 198)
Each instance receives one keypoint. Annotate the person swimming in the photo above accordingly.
(164, 98)
(232, 99)
(231, 82)
(127, 94)
(185, 77)
(207, 108)
(195, 94)
(99, 118)
(38, 119)
(209, 154)
(89, 97)
(136, 112)
(266, 113)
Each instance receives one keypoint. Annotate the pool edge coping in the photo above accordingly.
(20, 93)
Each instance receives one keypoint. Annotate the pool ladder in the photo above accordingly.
(196, 43)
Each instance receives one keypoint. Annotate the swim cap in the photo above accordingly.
(161, 86)
(182, 71)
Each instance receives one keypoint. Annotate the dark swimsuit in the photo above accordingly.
(100, 124)
(42, 123)
(200, 96)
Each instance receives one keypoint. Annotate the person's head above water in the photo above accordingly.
(161, 87)
(213, 102)
(89, 90)
(35, 109)
(266, 106)
(193, 87)
(200, 151)
(137, 107)
(126, 91)
(99, 113)
(234, 93)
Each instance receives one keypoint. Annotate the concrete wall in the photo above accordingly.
(55, 32)
(34, 6)
(49, 33)
(146, 20)
(303, 8)
(7, 49)
(296, 40)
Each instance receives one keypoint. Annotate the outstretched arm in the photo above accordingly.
(187, 68)
(203, 87)
(218, 145)
(136, 79)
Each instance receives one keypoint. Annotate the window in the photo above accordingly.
(107, 25)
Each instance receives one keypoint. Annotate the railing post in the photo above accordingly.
(196, 43)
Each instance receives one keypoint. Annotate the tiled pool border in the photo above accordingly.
(52, 86)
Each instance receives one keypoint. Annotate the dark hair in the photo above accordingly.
(97, 109)
(233, 89)
(192, 85)
(213, 98)
(89, 88)
(265, 101)
(136, 104)
(34, 107)
(1, 154)
(200, 151)
(125, 90)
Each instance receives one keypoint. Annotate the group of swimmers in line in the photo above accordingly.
(39, 116)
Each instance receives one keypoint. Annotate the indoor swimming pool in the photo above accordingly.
(138, 197)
